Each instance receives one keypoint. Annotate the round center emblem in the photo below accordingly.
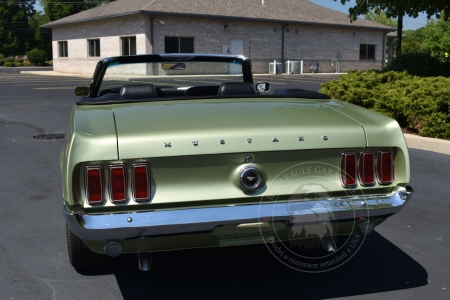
(250, 179)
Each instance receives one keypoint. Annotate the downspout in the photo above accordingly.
(282, 47)
(151, 34)
(383, 57)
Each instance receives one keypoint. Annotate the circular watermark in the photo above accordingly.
(307, 225)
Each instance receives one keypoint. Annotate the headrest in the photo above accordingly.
(236, 88)
(138, 91)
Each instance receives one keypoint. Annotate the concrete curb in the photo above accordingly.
(53, 73)
(428, 144)
(299, 75)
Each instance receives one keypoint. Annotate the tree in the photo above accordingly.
(413, 43)
(398, 9)
(42, 36)
(436, 37)
(381, 18)
(57, 9)
(15, 35)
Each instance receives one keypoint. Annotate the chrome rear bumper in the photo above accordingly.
(120, 226)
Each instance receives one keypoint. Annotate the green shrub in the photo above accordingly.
(18, 60)
(26, 63)
(36, 56)
(9, 59)
(18, 64)
(1, 61)
(420, 103)
(2, 56)
(419, 64)
(9, 64)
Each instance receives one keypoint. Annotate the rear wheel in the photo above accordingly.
(80, 256)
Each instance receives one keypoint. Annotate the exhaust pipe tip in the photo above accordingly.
(366, 227)
(145, 261)
(328, 244)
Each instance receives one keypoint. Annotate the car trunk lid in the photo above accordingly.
(197, 127)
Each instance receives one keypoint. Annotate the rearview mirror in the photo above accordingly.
(82, 91)
(263, 87)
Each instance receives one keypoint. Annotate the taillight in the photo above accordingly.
(117, 183)
(384, 167)
(348, 169)
(141, 185)
(94, 184)
(366, 169)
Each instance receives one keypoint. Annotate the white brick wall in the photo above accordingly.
(262, 41)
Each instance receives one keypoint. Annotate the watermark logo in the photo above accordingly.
(310, 218)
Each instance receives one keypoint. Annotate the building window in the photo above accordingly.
(129, 45)
(178, 44)
(366, 51)
(63, 51)
(94, 47)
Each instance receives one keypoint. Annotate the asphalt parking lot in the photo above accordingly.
(406, 258)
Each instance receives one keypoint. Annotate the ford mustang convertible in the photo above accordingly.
(177, 151)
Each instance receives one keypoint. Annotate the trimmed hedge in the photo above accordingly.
(26, 63)
(36, 57)
(419, 64)
(18, 64)
(419, 103)
(9, 64)
(9, 59)
(18, 60)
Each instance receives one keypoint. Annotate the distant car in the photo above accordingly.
(176, 151)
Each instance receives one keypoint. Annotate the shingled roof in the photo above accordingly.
(285, 11)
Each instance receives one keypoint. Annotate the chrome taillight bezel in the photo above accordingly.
(133, 184)
(125, 192)
(381, 182)
(343, 169)
(102, 184)
(361, 165)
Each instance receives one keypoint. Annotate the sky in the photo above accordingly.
(408, 23)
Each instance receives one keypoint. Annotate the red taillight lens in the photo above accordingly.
(94, 184)
(117, 181)
(348, 169)
(141, 186)
(384, 167)
(366, 168)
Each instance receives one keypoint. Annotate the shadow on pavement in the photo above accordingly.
(251, 272)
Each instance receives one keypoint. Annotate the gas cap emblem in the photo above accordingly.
(250, 179)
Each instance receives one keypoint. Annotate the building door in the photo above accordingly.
(236, 48)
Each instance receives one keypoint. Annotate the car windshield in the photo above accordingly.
(171, 77)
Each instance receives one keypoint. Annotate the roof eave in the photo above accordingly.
(263, 20)
(49, 25)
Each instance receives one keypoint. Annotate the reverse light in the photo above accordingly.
(117, 183)
(366, 169)
(384, 167)
(94, 184)
(348, 169)
(141, 186)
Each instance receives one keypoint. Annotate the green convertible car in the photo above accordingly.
(177, 151)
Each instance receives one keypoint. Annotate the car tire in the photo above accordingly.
(80, 256)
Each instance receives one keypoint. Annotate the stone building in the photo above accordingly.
(264, 30)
